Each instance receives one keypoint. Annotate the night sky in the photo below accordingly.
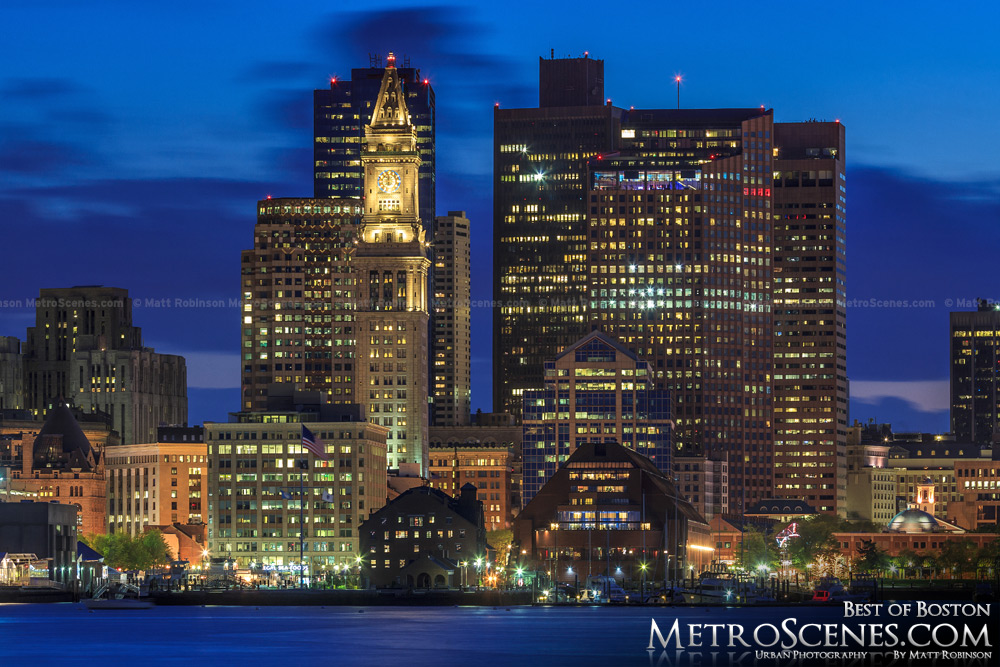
(135, 140)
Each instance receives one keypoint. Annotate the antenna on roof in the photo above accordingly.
(552, 54)
(406, 60)
(374, 59)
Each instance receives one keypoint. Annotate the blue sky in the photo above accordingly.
(136, 138)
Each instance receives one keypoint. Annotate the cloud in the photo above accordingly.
(923, 396)
(39, 88)
(35, 157)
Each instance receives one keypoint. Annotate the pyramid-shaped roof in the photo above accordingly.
(390, 106)
(599, 337)
(61, 442)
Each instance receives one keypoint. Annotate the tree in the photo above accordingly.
(124, 552)
(871, 557)
(815, 541)
(501, 541)
(757, 549)
(958, 556)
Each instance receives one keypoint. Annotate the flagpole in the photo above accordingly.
(302, 526)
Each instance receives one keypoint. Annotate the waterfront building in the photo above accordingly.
(610, 511)
(975, 374)
(299, 290)
(158, 484)
(43, 529)
(59, 465)
(391, 263)
(257, 490)
(84, 349)
(451, 332)
(595, 390)
(488, 467)
(425, 538)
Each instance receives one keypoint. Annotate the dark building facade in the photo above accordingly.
(975, 374)
(610, 511)
(539, 224)
(424, 539)
(84, 349)
(340, 114)
(47, 530)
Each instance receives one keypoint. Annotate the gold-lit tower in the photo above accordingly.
(391, 264)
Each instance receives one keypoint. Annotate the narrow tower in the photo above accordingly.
(391, 263)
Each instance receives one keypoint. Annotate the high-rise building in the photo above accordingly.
(159, 483)
(259, 489)
(975, 374)
(340, 114)
(684, 263)
(391, 261)
(451, 368)
(595, 390)
(810, 314)
(679, 266)
(84, 349)
(11, 374)
(298, 299)
(539, 221)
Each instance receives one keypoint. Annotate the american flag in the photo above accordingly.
(313, 444)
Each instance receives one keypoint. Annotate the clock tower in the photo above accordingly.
(391, 264)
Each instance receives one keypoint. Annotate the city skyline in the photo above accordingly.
(117, 151)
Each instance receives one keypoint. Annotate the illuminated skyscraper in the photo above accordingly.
(679, 266)
(975, 374)
(539, 225)
(392, 263)
(451, 332)
(298, 299)
(810, 314)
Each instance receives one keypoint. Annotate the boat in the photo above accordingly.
(830, 589)
(724, 589)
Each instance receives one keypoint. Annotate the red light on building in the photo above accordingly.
(426, 81)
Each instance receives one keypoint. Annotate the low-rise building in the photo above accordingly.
(489, 468)
(45, 530)
(257, 489)
(157, 484)
(610, 511)
(60, 465)
(425, 538)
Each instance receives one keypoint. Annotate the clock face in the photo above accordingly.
(388, 181)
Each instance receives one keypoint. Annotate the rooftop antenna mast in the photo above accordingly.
(374, 60)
